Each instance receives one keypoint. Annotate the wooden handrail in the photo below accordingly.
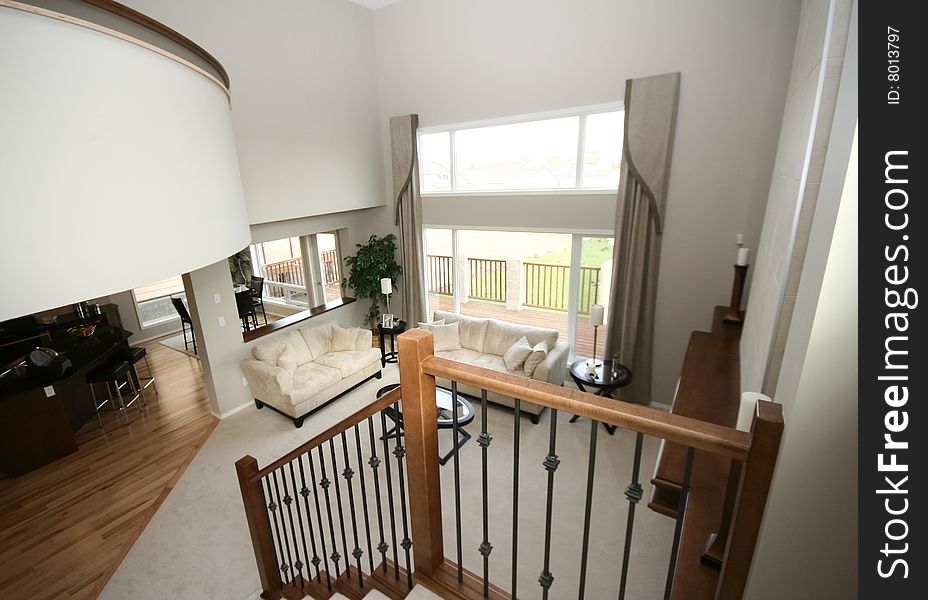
(344, 425)
(710, 437)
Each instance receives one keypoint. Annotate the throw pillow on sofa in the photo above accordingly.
(538, 355)
(428, 326)
(447, 337)
(515, 356)
(344, 339)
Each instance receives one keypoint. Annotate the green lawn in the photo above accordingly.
(595, 252)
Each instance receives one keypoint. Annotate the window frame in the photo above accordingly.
(581, 112)
(163, 320)
(573, 294)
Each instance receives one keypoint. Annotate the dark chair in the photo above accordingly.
(133, 356)
(184, 321)
(257, 294)
(111, 373)
(246, 309)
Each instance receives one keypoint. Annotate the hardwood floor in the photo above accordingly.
(65, 528)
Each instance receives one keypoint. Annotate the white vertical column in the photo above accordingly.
(573, 292)
(515, 284)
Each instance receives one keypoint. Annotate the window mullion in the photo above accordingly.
(454, 183)
(581, 150)
(455, 272)
(573, 292)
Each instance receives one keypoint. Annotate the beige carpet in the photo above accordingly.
(197, 545)
(176, 342)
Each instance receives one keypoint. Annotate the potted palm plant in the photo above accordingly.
(372, 262)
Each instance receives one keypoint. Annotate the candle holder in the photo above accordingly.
(597, 316)
(734, 309)
(591, 365)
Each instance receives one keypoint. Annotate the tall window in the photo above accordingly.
(545, 279)
(582, 150)
(153, 302)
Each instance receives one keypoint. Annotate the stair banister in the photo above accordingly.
(422, 468)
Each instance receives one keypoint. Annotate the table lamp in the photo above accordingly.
(386, 288)
(597, 313)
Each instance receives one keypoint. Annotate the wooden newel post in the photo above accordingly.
(420, 424)
(258, 524)
(757, 475)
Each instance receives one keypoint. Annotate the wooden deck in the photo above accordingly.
(528, 316)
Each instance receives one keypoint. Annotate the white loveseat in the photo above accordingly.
(299, 371)
(483, 343)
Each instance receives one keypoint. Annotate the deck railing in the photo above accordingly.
(329, 259)
(547, 285)
(441, 275)
(487, 279)
(278, 496)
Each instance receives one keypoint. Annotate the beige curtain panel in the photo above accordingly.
(408, 213)
(650, 120)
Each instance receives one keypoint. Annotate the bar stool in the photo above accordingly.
(133, 355)
(110, 374)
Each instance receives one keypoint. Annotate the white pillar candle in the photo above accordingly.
(597, 312)
(386, 286)
(742, 257)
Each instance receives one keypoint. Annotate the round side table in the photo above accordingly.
(389, 333)
(610, 375)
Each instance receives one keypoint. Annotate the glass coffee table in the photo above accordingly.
(443, 403)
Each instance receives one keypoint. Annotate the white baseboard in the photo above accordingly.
(229, 413)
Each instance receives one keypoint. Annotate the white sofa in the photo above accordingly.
(299, 371)
(483, 343)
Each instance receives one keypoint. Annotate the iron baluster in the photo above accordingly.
(304, 491)
(591, 469)
(386, 454)
(457, 478)
(681, 516)
(324, 483)
(367, 522)
(399, 451)
(633, 492)
(273, 506)
(375, 464)
(288, 568)
(288, 502)
(325, 553)
(515, 495)
(338, 502)
(550, 463)
(348, 474)
(483, 440)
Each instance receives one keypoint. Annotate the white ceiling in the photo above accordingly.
(374, 4)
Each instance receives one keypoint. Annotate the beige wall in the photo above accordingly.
(459, 61)
(810, 525)
(794, 190)
(304, 98)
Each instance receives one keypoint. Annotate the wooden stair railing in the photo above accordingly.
(757, 451)
(303, 545)
(288, 525)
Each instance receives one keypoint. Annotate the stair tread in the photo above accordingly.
(420, 592)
